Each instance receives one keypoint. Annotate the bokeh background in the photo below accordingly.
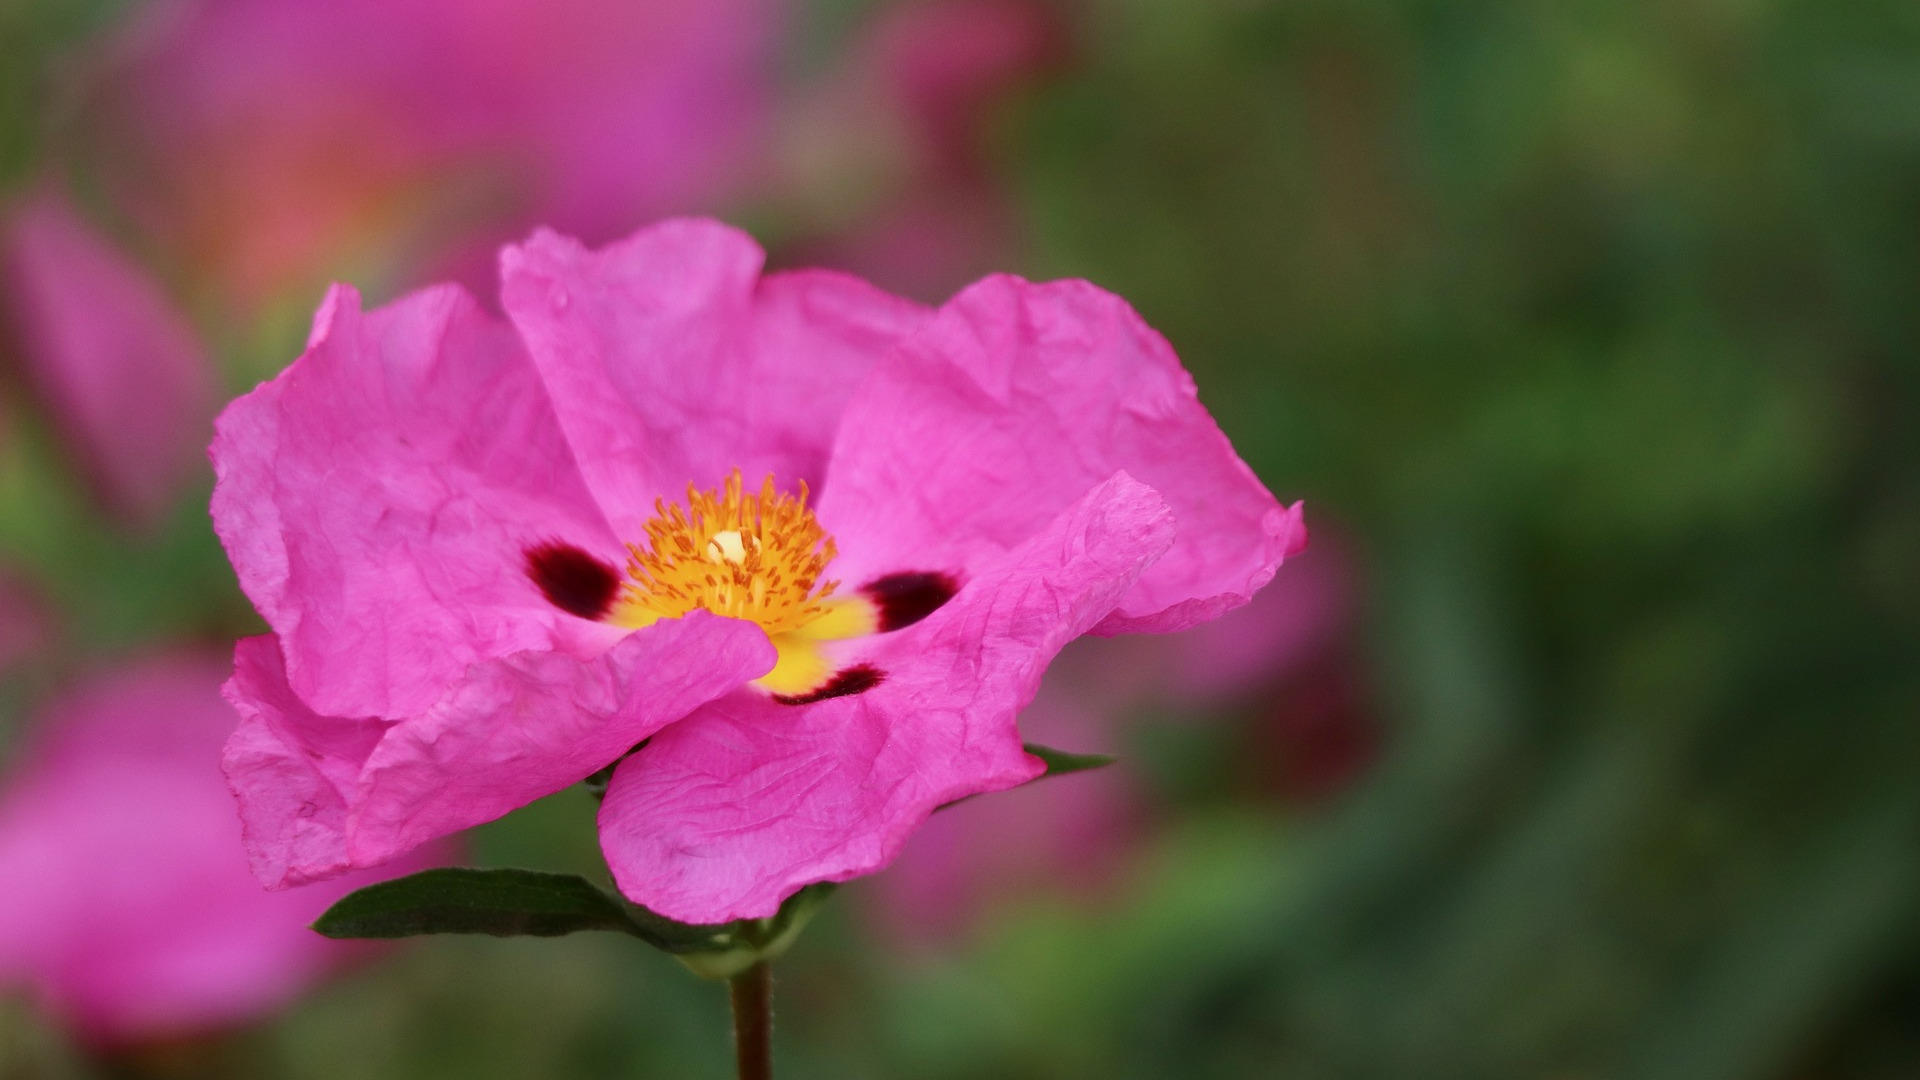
(1583, 744)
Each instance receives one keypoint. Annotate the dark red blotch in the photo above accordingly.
(576, 582)
(905, 598)
(854, 680)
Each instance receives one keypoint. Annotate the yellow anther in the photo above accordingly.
(756, 557)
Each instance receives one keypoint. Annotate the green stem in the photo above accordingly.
(752, 994)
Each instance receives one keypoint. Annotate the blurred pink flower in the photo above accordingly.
(121, 371)
(914, 111)
(277, 140)
(1076, 835)
(1282, 659)
(1070, 836)
(1297, 623)
(128, 908)
(27, 622)
(431, 509)
(949, 63)
(1319, 734)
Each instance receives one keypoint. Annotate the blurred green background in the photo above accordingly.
(1589, 329)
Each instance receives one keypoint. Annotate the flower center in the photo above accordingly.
(758, 557)
(755, 557)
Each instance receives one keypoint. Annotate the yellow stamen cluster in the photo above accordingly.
(755, 557)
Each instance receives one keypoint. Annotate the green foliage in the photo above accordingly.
(34, 39)
(500, 903)
(1594, 324)
(1060, 762)
(538, 903)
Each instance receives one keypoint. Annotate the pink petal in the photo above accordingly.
(730, 811)
(128, 906)
(378, 499)
(523, 727)
(322, 794)
(122, 371)
(671, 361)
(1014, 401)
(293, 770)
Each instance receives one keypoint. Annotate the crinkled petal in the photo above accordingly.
(121, 370)
(730, 811)
(293, 770)
(1013, 402)
(378, 499)
(320, 795)
(671, 361)
(526, 726)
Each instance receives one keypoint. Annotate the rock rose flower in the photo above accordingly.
(128, 909)
(806, 546)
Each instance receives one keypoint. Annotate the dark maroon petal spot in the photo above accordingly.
(575, 581)
(854, 680)
(906, 598)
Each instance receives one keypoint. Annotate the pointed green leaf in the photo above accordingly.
(509, 903)
(1060, 763)
(462, 900)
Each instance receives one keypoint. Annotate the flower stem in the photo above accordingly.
(752, 994)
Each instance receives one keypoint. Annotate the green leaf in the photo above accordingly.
(681, 938)
(459, 900)
(510, 903)
(1060, 763)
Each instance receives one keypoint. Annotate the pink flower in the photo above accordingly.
(128, 907)
(122, 372)
(276, 139)
(497, 556)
